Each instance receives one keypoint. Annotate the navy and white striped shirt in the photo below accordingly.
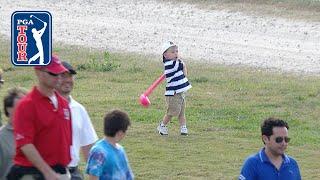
(176, 80)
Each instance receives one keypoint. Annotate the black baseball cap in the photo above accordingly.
(69, 67)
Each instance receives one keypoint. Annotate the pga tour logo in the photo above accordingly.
(31, 38)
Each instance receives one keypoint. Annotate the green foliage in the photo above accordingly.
(200, 80)
(224, 111)
(99, 65)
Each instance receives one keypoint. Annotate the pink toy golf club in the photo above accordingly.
(144, 100)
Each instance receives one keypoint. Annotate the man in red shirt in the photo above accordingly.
(42, 128)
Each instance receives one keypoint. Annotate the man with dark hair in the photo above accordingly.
(83, 133)
(107, 158)
(271, 162)
(7, 145)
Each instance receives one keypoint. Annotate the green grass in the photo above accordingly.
(224, 111)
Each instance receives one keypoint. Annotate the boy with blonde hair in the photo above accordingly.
(175, 71)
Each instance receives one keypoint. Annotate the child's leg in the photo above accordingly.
(170, 108)
(182, 117)
(166, 119)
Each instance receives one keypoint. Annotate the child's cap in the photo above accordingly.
(167, 45)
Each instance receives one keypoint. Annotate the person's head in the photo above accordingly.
(65, 86)
(1, 80)
(49, 75)
(170, 50)
(274, 133)
(11, 100)
(116, 123)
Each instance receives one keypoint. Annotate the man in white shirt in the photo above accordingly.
(83, 133)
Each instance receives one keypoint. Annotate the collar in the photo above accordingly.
(72, 102)
(264, 158)
(36, 94)
(165, 60)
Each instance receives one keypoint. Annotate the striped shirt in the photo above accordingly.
(176, 80)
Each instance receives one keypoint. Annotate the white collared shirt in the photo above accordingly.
(83, 132)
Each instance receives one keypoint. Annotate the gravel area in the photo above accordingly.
(141, 26)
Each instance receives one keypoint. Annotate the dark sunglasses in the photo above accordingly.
(52, 74)
(280, 139)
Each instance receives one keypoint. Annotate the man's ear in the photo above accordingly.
(265, 139)
(120, 134)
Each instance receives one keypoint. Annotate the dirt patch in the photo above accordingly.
(203, 35)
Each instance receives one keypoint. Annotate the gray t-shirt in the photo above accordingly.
(0, 119)
(7, 150)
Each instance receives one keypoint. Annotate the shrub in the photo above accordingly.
(100, 65)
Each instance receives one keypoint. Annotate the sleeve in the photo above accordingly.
(96, 161)
(88, 134)
(129, 173)
(0, 119)
(2, 160)
(23, 123)
(297, 170)
(247, 171)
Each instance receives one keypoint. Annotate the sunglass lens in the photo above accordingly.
(286, 139)
(280, 139)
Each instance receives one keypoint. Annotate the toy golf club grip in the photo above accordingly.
(154, 85)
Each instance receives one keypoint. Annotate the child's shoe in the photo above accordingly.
(162, 129)
(184, 130)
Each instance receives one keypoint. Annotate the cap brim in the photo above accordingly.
(71, 71)
(166, 48)
(68, 67)
(57, 69)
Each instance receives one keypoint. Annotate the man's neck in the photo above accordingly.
(45, 90)
(275, 159)
(111, 140)
(66, 96)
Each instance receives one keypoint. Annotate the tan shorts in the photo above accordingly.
(176, 104)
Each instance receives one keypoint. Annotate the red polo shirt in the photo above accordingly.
(37, 122)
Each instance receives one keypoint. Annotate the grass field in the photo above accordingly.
(224, 111)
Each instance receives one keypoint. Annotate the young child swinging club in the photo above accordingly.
(175, 71)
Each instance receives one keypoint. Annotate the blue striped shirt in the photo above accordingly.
(176, 80)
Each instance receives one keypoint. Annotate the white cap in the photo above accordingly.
(167, 45)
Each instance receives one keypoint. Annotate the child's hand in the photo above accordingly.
(182, 62)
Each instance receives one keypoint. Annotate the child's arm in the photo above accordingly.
(184, 68)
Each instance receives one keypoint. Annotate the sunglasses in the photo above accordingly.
(280, 139)
(52, 74)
